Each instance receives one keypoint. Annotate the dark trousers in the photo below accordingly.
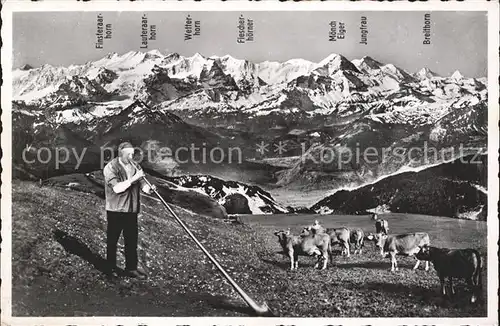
(118, 222)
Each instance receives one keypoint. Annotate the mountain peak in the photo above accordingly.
(152, 55)
(198, 59)
(330, 58)
(397, 73)
(227, 58)
(426, 73)
(333, 63)
(371, 62)
(26, 67)
(155, 52)
(197, 56)
(457, 75)
(367, 62)
(45, 66)
(111, 55)
(173, 55)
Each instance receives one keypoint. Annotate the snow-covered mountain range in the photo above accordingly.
(198, 86)
(334, 105)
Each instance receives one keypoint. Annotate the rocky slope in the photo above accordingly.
(58, 245)
(257, 200)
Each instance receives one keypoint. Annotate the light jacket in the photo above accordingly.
(127, 201)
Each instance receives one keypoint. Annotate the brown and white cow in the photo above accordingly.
(340, 236)
(357, 238)
(407, 244)
(316, 245)
(455, 263)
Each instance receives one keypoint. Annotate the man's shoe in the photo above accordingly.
(135, 274)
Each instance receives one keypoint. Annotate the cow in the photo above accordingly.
(401, 244)
(316, 245)
(357, 238)
(455, 263)
(382, 226)
(339, 236)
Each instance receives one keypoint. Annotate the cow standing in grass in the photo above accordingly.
(455, 263)
(339, 236)
(401, 244)
(316, 245)
(357, 238)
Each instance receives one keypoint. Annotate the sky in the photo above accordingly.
(458, 39)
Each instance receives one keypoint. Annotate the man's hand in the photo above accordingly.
(139, 174)
(147, 189)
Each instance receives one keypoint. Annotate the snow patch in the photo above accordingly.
(324, 210)
(255, 204)
(480, 188)
(471, 215)
(381, 209)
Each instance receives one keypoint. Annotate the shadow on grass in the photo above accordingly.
(285, 264)
(76, 247)
(281, 264)
(431, 296)
(392, 288)
(365, 264)
(220, 302)
(398, 290)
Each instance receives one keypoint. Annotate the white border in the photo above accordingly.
(6, 139)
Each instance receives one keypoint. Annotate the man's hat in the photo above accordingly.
(124, 145)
